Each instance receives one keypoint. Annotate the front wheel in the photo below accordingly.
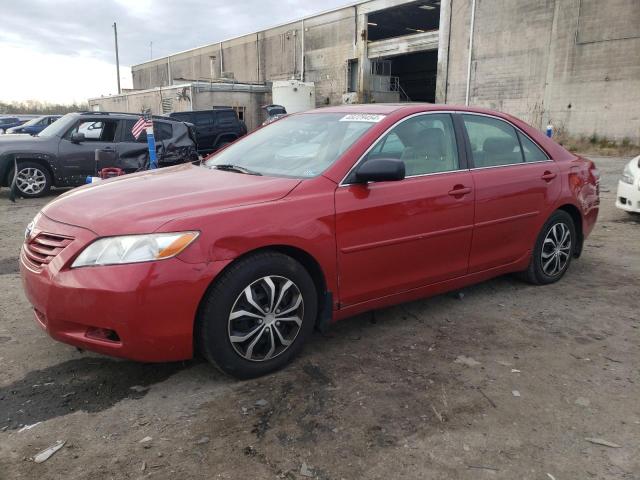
(33, 180)
(553, 251)
(257, 315)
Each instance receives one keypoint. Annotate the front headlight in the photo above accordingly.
(627, 176)
(134, 248)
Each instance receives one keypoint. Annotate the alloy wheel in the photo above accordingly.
(31, 181)
(266, 318)
(556, 249)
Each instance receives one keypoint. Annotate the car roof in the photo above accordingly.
(121, 116)
(388, 108)
(211, 110)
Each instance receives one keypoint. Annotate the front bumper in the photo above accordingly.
(151, 306)
(628, 196)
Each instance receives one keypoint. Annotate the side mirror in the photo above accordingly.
(77, 137)
(380, 170)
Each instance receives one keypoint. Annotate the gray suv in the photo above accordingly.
(63, 154)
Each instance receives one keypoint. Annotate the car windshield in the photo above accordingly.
(33, 121)
(299, 146)
(59, 127)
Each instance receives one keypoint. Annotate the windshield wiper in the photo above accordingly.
(235, 168)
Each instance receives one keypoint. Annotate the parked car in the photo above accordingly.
(314, 218)
(273, 113)
(9, 122)
(214, 128)
(63, 154)
(35, 125)
(628, 196)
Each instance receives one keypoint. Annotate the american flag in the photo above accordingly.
(141, 125)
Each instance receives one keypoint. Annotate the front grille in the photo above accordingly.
(44, 247)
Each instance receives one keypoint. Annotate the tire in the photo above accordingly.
(225, 335)
(33, 180)
(549, 262)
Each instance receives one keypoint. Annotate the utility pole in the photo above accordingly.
(115, 33)
(150, 50)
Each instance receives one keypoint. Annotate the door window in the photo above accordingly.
(96, 130)
(493, 142)
(532, 152)
(425, 143)
(161, 131)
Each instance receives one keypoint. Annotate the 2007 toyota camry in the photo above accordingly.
(309, 220)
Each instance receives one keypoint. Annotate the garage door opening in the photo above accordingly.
(409, 19)
(416, 75)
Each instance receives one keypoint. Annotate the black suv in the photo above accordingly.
(213, 128)
(63, 154)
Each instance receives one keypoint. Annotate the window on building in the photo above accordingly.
(352, 75)
(408, 19)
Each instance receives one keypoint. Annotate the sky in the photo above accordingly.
(62, 51)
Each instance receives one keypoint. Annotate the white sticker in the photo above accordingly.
(362, 117)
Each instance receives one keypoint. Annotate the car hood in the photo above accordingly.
(18, 142)
(143, 202)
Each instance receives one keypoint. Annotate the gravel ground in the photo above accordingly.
(507, 381)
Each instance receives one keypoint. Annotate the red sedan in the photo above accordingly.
(309, 220)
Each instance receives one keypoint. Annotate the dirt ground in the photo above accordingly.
(505, 382)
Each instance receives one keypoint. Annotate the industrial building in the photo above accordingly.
(572, 63)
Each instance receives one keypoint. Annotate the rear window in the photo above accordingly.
(184, 117)
(203, 119)
(226, 118)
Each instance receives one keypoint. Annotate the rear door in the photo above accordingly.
(396, 236)
(77, 159)
(132, 153)
(516, 186)
(205, 130)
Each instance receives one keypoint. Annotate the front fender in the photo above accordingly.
(8, 158)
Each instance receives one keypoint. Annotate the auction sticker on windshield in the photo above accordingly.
(362, 117)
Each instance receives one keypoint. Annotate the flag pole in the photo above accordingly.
(151, 143)
(115, 34)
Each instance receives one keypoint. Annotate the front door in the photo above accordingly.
(77, 159)
(395, 236)
(516, 185)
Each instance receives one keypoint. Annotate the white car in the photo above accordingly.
(628, 197)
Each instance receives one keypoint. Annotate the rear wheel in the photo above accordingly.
(33, 180)
(257, 316)
(553, 251)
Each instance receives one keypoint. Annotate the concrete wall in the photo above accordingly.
(273, 54)
(574, 63)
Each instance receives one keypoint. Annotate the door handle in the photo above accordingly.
(547, 176)
(108, 149)
(460, 190)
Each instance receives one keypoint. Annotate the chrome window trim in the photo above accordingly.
(519, 130)
(512, 164)
(461, 112)
(374, 144)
